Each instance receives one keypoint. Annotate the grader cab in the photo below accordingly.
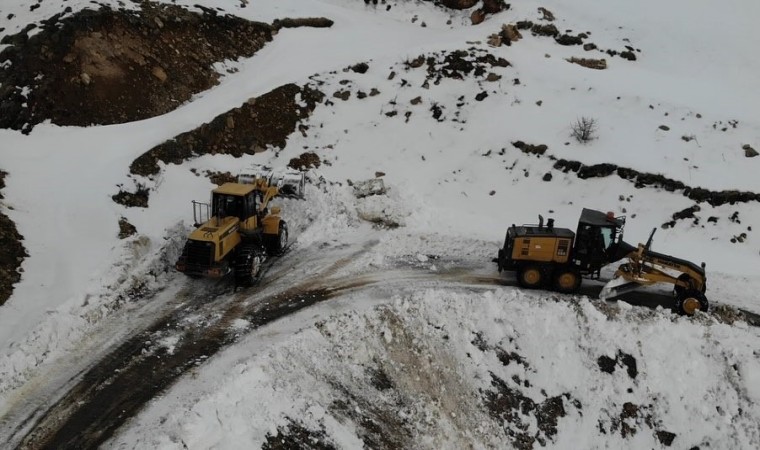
(546, 256)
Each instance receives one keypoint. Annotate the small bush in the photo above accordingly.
(583, 130)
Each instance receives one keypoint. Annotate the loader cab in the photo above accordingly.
(234, 200)
(597, 239)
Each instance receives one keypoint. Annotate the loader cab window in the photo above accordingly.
(225, 205)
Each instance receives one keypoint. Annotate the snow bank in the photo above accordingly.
(425, 368)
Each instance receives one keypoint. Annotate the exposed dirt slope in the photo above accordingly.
(108, 66)
(12, 251)
(260, 122)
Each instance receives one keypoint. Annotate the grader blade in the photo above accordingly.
(289, 182)
(617, 287)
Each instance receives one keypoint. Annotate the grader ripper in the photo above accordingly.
(237, 231)
(559, 258)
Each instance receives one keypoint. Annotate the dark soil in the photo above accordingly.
(510, 407)
(12, 253)
(126, 229)
(306, 160)
(296, 437)
(137, 199)
(622, 359)
(313, 22)
(109, 66)
(257, 124)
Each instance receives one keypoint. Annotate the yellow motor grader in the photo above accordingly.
(545, 256)
(237, 231)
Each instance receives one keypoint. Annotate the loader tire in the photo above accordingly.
(248, 264)
(690, 301)
(277, 244)
(567, 280)
(530, 276)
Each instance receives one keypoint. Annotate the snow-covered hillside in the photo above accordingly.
(415, 339)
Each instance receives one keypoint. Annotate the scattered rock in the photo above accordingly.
(126, 229)
(137, 199)
(547, 15)
(511, 32)
(629, 55)
(481, 96)
(478, 16)
(219, 178)
(493, 77)
(664, 128)
(342, 94)
(305, 161)
(567, 39)
(459, 4)
(749, 152)
(542, 30)
(598, 64)
(416, 100)
(588, 47)
(360, 68)
(539, 149)
(494, 6)
(547, 176)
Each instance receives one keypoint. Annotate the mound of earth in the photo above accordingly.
(259, 123)
(112, 66)
(12, 254)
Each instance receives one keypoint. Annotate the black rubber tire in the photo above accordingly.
(248, 264)
(561, 282)
(679, 290)
(499, 258)
(530, 276)
(277, 244)
(684, 300)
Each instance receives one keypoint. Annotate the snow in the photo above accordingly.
(70, 306)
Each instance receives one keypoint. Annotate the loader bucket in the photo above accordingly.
(289, 182)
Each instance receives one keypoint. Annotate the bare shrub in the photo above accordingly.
(583, 129)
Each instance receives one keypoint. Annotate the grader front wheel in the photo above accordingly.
(690, 301)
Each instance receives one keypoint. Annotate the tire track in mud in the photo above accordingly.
(120, 384)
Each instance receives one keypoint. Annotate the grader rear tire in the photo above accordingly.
(567, 280)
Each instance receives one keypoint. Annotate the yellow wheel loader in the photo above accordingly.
(237, 231)
(558, 258)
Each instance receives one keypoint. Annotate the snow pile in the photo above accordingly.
(445, 368)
